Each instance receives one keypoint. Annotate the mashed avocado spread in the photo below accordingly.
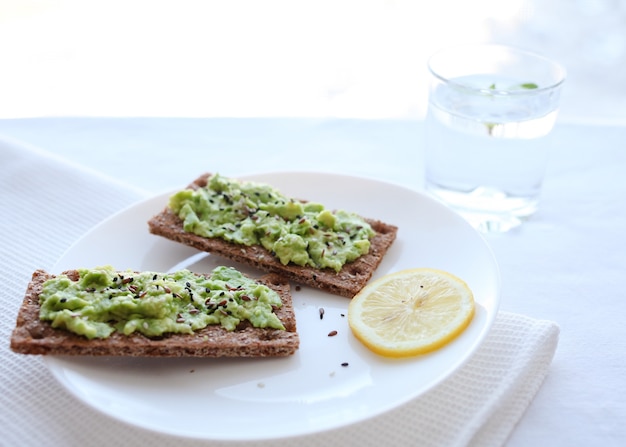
(250, 213)
(103, 300)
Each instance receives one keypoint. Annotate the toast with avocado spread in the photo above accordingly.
(104, 312)
(254, 224)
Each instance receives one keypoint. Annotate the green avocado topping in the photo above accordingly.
(250, 213)
(103, 301)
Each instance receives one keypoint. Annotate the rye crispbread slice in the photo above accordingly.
(347, 282)
(33, 336)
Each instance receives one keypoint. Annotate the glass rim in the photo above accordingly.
(494, 91)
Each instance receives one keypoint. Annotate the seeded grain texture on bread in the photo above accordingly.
(33, 336)
(347, 282)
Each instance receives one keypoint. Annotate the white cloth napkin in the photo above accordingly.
(47, 204)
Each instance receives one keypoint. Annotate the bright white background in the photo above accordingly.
(287, 58)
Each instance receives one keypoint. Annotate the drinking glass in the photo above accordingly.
(490, 106)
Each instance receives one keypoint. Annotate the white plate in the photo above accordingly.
(310, 391)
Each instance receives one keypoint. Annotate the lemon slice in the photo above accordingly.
(411, 312)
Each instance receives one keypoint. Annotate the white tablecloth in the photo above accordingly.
(563, 266)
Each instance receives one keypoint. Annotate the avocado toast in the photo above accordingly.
(345, 277)
(134, 335)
